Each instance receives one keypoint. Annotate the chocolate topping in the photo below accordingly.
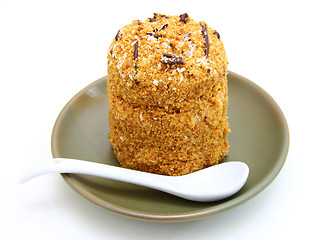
(156, 35)
(135, 56)
(184, 17)
(205, 36)
(162, 27)
(157, 15)
(168, 55)
(173, 59)
(117, 36)
(172, 46)
(135, 52)
(217, 34)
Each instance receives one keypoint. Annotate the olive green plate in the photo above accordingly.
(259, 138)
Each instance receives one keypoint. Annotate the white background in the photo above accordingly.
(50, 50)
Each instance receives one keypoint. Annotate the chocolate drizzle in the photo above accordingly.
(135, 52)
(156, 35)
(171, 59)
(156, 30)
(161, 28)
(217, 34)
(117, 36)
(135, 56)
(205, 36)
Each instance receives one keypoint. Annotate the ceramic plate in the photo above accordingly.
(259, 137)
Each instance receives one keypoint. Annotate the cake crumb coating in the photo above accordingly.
(167, 91)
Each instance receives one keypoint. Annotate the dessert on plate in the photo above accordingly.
(167, 91)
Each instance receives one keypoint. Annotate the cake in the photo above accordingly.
(167, 92)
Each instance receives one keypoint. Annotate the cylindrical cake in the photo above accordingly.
(167, 91)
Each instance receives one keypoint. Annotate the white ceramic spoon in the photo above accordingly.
(210, 184)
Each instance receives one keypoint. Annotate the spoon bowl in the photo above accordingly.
(210, 184)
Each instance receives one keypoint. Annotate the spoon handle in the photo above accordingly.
(64, 165)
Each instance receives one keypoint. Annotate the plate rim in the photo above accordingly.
(185, 216)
